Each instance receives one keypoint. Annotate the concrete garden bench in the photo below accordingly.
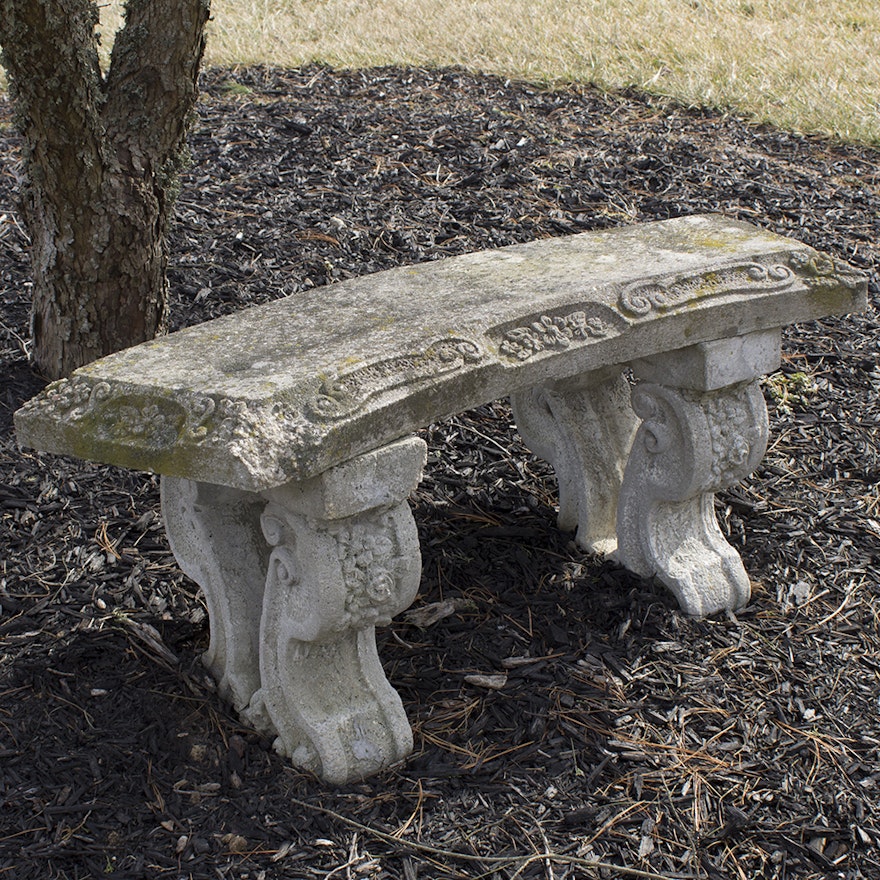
(284, 437)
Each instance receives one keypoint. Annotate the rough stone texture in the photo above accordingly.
(704, 428)
(645, 493)
(296, 580)
(584, 427)
(713, 365)
(215, 535)
(284, 391)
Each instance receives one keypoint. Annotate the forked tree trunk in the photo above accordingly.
(102, 156)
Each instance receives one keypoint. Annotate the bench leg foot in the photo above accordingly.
(584, 427)
(690, 445)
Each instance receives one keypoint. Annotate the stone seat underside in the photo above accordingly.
(283, 435)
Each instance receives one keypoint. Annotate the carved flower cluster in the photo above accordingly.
(128, 416)
(731, 416)
(819, 270)
(368, 558)
(69, 398)
(733, 430)
(549, 332)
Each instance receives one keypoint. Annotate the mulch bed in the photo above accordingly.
(631, 741)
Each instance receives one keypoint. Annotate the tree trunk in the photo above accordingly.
(102, 160)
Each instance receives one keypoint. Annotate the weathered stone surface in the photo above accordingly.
(278, 434)
(296, 579)
(584, 427)
(709, 366)
(704, 428)
(283, 392)
(215, 535)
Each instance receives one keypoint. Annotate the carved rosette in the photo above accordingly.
(372, 567)
(553, 333)
(818, 271)
(107, 422)
(690, 445)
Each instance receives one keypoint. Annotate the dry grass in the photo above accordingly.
(804, 65)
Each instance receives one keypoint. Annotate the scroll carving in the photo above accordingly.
(343, 395)
(690, 445)
(124, 416)
(371, 563)
(294, 593)
(662, 294)
(329, 583)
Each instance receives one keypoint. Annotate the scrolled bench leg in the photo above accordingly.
(216, 537)
(296, 580)
(345, 557)
(584, 427)
(704, 429)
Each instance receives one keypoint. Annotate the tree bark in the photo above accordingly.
(102, 157)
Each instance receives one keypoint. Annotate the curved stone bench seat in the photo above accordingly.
(283, 434)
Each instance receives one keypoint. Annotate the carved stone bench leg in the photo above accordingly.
(704, 429)
(345, 558)
(584, 427)
(215, 535)
(337, 555)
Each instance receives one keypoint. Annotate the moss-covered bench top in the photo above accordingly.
(283, 391)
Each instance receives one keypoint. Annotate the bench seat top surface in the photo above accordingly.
(281, 392)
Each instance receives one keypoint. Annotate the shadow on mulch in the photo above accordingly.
(567, 718)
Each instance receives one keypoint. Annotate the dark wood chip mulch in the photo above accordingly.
(569, 722)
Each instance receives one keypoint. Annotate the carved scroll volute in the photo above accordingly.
(690, 445)
(349, 574)
(329, 583)
(700, 441)
(312, 607)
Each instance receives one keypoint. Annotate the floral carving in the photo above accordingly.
(68, 399)
(126, 413)
(690, 445)
(734, 431)
(818, 270)
(731, 418)
(369, 560)
(548, 332)
(328, 583)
